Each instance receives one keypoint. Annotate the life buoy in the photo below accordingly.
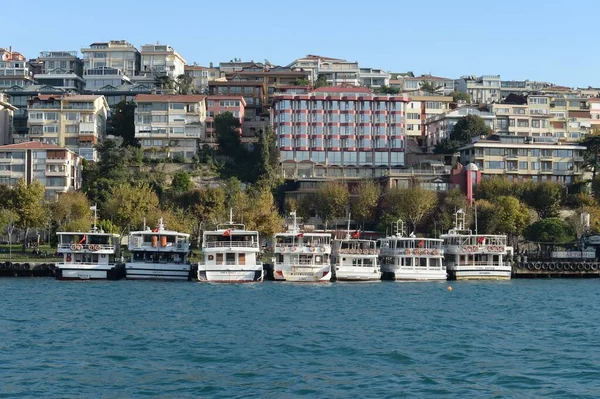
(211, 257)
(294, 248)
(79, 247)
(73, 247)
(436, 252)
(544, 266)
(580, 266)
(538, 265)
(68, 258)
(179, 245)
(426, 251)
(594, 266)
(573, 266)
(312, 249)
(530, 266)
(551, 266)
(407, 251)
(417, 251)
(373, 252)
(587, 267)
(322, 249)
(463, 249)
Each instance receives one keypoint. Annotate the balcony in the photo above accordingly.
(57, 173)
(57, 161)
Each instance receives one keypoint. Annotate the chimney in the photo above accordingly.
(10, 50)
(210, 64)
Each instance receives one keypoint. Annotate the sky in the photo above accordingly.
(552, 40)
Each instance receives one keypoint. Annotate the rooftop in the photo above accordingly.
(169, 98)
(33, 145)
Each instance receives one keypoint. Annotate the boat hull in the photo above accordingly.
(480, 274)
(232, 275)
(410, 274)
(347, 274)
(157, 271)
(303, 274)
(89, 272)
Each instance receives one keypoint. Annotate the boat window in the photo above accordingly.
(279, 258)
(94, 239)
(242, 259)
(367, 262)
(219, 259)
(318, 259)
(408, 261)
(496, 259)
(230, 259)
(423, 262)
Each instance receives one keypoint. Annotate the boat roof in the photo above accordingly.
(160, 232)
(468, 233)
(399, 238)
(232, 231)
(353, 240)
(90, 233)
(295, 234)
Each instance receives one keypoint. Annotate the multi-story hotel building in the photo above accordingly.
(74, 121)
(110, 63)
(6, 120)
(216, 105)
(62, 69)
(170, 125)
(57, 168)
(525, 158)
(339, 132)
(14, 69)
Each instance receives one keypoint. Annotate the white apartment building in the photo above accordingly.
(374, 78)
(161, 59)
(337, 71)
(170, 125)
(412, 84)
(483, 89)
(14, 69)
(110, 63)
(440, 126)
(6, 119)
(74, 121)
(57, 168)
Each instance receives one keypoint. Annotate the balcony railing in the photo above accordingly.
(231, 244)
(86, 247)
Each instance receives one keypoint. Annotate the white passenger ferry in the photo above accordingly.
(355, 259)
(158, 254)
(94, 255)
(411, 258)
(230, 255)
(475, 256)
(302, 256)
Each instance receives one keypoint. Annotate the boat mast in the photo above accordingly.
(348, 231)
(95, 208)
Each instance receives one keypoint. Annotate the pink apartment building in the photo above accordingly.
(339, 132)
(216, 105)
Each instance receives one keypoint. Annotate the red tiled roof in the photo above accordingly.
(33, 145)
(189, 98)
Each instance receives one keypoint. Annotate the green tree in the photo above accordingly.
(181, 181)
(442, 219)
(301, 82)
(387, 90)
(412, 205)
(364, 201)
(204, 207)
(550, 231)
(128, 205)
(490, 189)
(331, 201)
(321, 81)
(512, 217)
(29, 206)
(429, 86)
(71, 212)
(591, 155)
(166, 83)
(185, 84)
(268, 162)
(463, 132)
(545, 198)
(228, 135)
(262, 214)
(460, 96)
(122, 122)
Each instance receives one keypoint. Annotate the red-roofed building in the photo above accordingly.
(170, 125)
(57, 168)
(14, 69)
(339, 132)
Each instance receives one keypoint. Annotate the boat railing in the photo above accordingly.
(231, 244)
(86, 247)
(489, 264)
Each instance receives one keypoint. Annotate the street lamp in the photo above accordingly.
(11, 227)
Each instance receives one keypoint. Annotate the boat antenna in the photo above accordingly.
(348, 231)
(95, 209)
(293, 215)
(230, 215)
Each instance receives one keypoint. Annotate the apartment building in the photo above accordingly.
(110, 63)
(61, 69)
(374, 78)
(59, 169)
(170, 125)
(339, 132)
(594, 104)
(14, 69)
(440, 126)
(216, 105)
(201, 76)
(159, 60)
(419, 109)
(6, 119)
(413, 84)
(521, 87)
(74, 121)
(525, 158)
(523, 119)
(482, 89)
(253, 92)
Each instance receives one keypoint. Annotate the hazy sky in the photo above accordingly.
(550, 40)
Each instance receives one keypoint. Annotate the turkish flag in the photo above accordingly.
(480, 240)
(227, 233)
(356, 234)
(421, 243)
(300, 235)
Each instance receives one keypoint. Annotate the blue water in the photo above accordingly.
(129, 339)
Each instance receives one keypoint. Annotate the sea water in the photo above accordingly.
(128, 339)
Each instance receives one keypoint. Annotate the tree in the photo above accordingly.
(321, 81)
(181, 181)
(204, 207)
(460, 96)
(468, 127)
(365, 200)
(550, 231)
(591, 155)
(301, 82)
(512, 217)
(71, 212)
(228, 136)
(262, 214)
(331, 201)
(429, 86)
(128, 205)
(268, 161)
(387, 90)
(29, 206)
(412, 205)
(490, 189)
(122, 121)
(165, 83)
(442, 219)
(185, 84)
(545, 198)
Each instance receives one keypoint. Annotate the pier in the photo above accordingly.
(26, 269)
(554, 269)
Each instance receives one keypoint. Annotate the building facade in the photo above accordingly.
(420, 108)
(482, 89)
(412, 85)
(61, 69)
(339, 132)
(170, 125)
(6, 119)
(14, 69)
(440, 126)
(110, 63)
(525, 158)
(74, 121)
(216, 105)
(57, 168)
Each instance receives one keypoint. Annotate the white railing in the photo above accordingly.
(231, 244)
(86, 247)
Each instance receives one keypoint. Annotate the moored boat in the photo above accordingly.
(158, 254)
(472, 256)
(94, 255)
(411, 258)
(230, 255)
(355, 259)
(302, 256)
